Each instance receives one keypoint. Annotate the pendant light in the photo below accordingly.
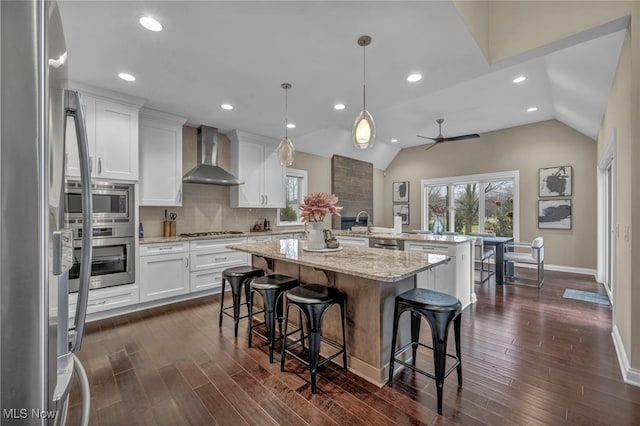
(364, 129)
(286, 149)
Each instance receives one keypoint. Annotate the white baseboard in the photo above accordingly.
(629, 375)
(561, 268)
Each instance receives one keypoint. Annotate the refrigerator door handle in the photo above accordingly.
(73, 108)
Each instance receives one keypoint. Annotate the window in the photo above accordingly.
(475, 203)
(295, 191)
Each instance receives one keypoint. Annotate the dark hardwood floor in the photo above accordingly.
(530, 357)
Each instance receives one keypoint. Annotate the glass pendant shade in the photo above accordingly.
(364, 130)
(286, 151)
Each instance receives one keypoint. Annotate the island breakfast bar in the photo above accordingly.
(370, 278)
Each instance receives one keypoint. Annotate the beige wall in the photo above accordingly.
(524, 148)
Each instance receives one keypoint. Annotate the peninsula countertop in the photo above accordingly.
(365, 262)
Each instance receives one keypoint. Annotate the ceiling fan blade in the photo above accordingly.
(430, 146)
(427, 137)
(462, 137)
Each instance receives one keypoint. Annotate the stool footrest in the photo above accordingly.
(409, 345)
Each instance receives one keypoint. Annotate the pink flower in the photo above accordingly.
(316, 206)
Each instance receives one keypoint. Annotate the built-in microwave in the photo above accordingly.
(112, 203)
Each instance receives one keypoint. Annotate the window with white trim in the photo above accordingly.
(295, 191)
(486, 203)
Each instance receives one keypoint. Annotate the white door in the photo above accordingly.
(610, 234)
(250, 171)
(163, 276)
(274, 174)
(72, 163)
(160, 164)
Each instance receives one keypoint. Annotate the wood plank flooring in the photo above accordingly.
(530, 357)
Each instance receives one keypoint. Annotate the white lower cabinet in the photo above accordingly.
(209, 258)
(164, 270)
(454, 277)
(104, 299)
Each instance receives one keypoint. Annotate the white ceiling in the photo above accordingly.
(240, 52)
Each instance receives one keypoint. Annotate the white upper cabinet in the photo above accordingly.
(160, 159)
(254, 160)
(112, 133)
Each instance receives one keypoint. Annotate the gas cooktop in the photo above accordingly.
(210, 233)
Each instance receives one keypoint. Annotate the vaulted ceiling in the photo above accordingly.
(239, 52)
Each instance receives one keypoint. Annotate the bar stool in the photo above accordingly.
(271, 288)
(238, 276)
(313, 300)
(439, 309)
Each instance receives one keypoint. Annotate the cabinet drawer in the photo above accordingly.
(353, 241)
(107, 298)
(163, 248)
(201, 260)
(260, 238)
(205, 280)
(427, 248)
(218, 245)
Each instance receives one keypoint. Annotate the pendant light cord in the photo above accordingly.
(286, 109)
(364, 77)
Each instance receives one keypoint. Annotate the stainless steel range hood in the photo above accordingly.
(207, 170)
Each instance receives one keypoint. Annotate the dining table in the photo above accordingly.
(498, 243)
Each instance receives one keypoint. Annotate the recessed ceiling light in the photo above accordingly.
(151, 24)
(339, 107)
(291, 126)
(226, 106)
(532, 109)
(414, 77)
(519, 79)
(394, 140)
(126, 76)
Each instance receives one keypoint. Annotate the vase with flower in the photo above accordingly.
(313, 211)
(438, 227)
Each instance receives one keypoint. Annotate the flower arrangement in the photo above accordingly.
(316, 206)
(438, 208)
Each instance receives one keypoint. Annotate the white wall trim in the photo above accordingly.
(607, 157)
(629, 375)
(561, 268)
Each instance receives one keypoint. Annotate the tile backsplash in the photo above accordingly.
(204, 207)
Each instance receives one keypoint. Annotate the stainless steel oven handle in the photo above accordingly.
(73, 108)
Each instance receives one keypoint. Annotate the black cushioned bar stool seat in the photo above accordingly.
(237, 277)
(439, 309)
(313, 300)
(271, 288)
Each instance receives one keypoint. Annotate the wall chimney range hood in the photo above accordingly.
(207, 170)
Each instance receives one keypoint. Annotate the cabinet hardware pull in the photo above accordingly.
(165, 248)
(90, 165)
(99, 165)
(187, 259)
(102, 302)
(220, 258)
(180, 195)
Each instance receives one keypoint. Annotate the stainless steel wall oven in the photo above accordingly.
(113, 255)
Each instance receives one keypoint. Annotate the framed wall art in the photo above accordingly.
(402, 210)
(555, 181)
(554, 214)
(401, 192)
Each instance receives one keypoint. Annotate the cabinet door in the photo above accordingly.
(160, 164)
(72, 161)
(163, 276)
(250, 156)
(274, 176)
(116, 141)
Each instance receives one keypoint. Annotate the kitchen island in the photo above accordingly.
(370, 278)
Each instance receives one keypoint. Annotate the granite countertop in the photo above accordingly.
(153, 240)
(427, 238)
(374, 264)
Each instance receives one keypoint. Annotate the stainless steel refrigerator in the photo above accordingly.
(37, 340)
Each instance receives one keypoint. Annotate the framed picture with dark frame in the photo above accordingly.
(555, 181)
(554, 214)
(401, 192)
(402, 210)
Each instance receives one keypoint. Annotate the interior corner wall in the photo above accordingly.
(524, 148)
(618, 116)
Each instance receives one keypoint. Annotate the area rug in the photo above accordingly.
(586, 296)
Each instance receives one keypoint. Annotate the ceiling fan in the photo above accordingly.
(439, 139)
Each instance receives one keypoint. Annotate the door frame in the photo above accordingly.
(607, 159)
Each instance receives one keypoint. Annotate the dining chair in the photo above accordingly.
(483, 254)
(529, 253)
